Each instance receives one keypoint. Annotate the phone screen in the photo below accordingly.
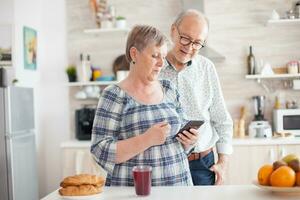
(195, 124)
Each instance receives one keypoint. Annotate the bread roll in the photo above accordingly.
(83, 179)
(81, 190)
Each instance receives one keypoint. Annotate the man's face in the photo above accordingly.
(188, 37)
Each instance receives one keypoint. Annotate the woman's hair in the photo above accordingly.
(141, 36)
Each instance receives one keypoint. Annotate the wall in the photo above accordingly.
(234, 25)
(53, 93)
(15, 15)
(237, 24)
(21, 19)
(48, 80)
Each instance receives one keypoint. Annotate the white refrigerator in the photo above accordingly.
(18, 156)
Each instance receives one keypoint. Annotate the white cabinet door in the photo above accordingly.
(288, 149)
(78, 161)
(245, 162)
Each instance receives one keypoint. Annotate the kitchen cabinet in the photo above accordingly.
(77, 160)
(247, 159)
(287, 149)
(248, 156)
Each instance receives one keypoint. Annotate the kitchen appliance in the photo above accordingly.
(287, 120)
(259, 106)
(259, 127)
(297, 9)
(18, 167)
(84, 119)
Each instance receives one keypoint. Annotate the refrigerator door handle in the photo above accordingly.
(28, 134)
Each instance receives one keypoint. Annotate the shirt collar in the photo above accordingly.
(189, 63)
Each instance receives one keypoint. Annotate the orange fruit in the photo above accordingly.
(284, 176)
(264, 174)
(298, 178)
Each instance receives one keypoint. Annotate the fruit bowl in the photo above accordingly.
(291, 190)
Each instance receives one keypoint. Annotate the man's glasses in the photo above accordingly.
(186, 41)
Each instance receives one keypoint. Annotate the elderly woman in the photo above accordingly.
(137, 119)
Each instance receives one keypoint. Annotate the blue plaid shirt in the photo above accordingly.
(119, 117)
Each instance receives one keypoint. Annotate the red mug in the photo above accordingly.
(142, 179)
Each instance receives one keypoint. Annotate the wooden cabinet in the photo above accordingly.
(247, 159)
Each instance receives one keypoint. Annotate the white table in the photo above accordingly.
(225, 192)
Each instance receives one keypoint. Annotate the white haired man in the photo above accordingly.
(200, 96)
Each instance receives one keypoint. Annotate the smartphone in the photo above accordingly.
(195, 124)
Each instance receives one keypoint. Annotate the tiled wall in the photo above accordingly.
(234, 26)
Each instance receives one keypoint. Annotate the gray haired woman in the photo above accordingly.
(137, 119)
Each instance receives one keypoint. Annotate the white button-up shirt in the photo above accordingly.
(201, 99)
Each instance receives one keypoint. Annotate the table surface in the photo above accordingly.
(224, 192)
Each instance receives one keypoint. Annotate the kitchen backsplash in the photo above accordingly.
(234, 25)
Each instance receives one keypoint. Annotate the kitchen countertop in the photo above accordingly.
(236, 142)
(224, 192)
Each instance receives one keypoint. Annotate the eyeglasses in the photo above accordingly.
(186, 41)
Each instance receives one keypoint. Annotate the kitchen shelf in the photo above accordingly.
(104, 83)
(106, 30)
(283, 21)
(274, 76)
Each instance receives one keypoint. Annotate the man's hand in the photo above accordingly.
(220, 168)
(188, 138)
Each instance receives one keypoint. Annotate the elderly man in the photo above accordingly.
(201, 97)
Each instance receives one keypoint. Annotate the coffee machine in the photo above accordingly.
(259, 127)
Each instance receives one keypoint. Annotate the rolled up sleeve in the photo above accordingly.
(105, 130)
(220, 117)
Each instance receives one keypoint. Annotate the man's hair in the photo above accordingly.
(141, 36)
(191, 12)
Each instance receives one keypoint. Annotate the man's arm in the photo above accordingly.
(219, 116)
(222, 124)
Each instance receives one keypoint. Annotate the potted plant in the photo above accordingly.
(71, 72)
(120, 22)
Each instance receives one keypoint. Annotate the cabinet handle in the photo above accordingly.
(282, 152)
(271, 155)
(79, 162)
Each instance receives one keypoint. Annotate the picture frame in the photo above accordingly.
(30, 48)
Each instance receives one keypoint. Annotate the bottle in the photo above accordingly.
(88, 68)
(81, 69)
(251, 62)
(277, 104)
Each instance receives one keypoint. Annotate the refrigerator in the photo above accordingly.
(18, 156)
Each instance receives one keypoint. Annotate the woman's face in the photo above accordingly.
(150, 61)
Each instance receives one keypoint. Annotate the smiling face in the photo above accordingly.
(149, 61)
(190, 28)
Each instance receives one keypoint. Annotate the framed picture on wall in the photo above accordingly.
(30, 48)
(5, 46)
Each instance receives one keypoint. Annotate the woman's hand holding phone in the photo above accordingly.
(188, 138)
(188, 135)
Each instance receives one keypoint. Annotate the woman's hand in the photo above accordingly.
(188, 138)
(158, 133)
